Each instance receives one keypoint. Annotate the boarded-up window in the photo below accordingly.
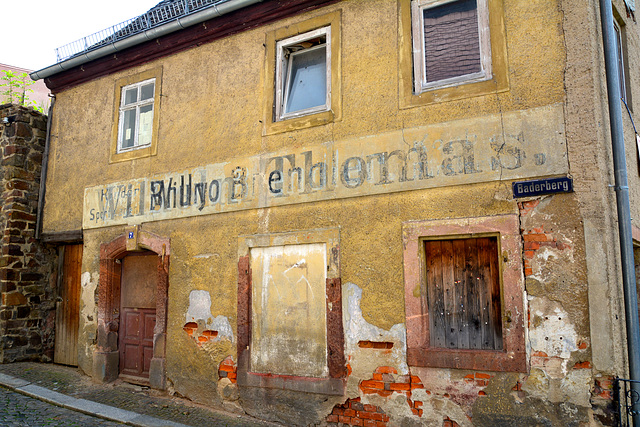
(290, 331)
(451, 42)
(463, 293)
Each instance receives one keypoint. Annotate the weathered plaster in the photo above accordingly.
(88, 316)
(552, 332)
(555, 84)
(363, 361)
(200, 310)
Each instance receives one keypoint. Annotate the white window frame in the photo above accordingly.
(283, 72)
(419, 61)
(136, 105)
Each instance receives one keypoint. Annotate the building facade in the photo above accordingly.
(387, 211)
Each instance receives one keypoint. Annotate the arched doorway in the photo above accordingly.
(117, 350)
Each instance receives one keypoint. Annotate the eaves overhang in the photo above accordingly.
(202, 27)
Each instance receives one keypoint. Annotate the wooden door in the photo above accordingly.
(68, 305)
(137, 314)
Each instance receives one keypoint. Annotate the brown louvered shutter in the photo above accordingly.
(452, 41)
(463, 293)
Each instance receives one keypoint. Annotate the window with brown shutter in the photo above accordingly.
(451, 42)
(463, 293)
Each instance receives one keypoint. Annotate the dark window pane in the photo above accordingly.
(128, 128)
(146, 91)
(452, 42)
(131, 96)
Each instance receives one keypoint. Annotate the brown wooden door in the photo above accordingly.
(68, 306)
(137, 314)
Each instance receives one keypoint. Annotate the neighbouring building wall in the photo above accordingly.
(27, 267)
(337, 209)
(36, 93)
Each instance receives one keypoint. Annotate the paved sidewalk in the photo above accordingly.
(121, 402)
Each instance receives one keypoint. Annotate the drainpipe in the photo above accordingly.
(622, 199)
(153, 33)
(43, 171)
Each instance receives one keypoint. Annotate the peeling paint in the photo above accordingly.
(89, 285)
(357, 329)
(200, 310)
(552, 334)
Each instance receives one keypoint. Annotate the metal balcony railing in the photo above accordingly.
(627, 400)
(164, 12)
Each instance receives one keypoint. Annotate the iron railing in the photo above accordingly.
(164, 12)
(627, 400)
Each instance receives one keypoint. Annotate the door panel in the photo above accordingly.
(138, 314)
(68, 306)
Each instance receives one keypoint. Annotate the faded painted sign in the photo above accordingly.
(289, 328)
(516, 145)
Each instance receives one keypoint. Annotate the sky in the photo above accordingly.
(33, 29)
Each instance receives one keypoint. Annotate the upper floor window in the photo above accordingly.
(303, 74)
(136, 111)
(451, 42)
(302, 77)
(136, 115)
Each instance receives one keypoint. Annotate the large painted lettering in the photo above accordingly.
(515, 146)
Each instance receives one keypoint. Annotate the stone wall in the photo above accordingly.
(27, 276)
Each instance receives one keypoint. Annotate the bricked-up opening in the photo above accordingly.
(451, 40)
(299, 281)
(463, 293)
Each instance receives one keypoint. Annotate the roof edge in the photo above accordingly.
(153, 33)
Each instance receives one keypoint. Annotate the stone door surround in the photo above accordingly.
(106, 354)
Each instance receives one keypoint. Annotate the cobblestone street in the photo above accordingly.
(20, 410)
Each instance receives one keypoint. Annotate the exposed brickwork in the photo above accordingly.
(448, 422)
(480, 379)
(228, 369)
(191, 328)
(603, 388)
(536, 238)
(384, 382)
(378, 345)
(27, 276)
(355, 413)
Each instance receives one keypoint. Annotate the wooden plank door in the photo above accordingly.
(68, 306)
(137, 314)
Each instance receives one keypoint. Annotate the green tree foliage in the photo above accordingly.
(15, 87)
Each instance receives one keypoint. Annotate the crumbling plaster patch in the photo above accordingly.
(551, 330)
(364, 360)
(435, 408)
(89, 310)
(200, 311)
(213, 335)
